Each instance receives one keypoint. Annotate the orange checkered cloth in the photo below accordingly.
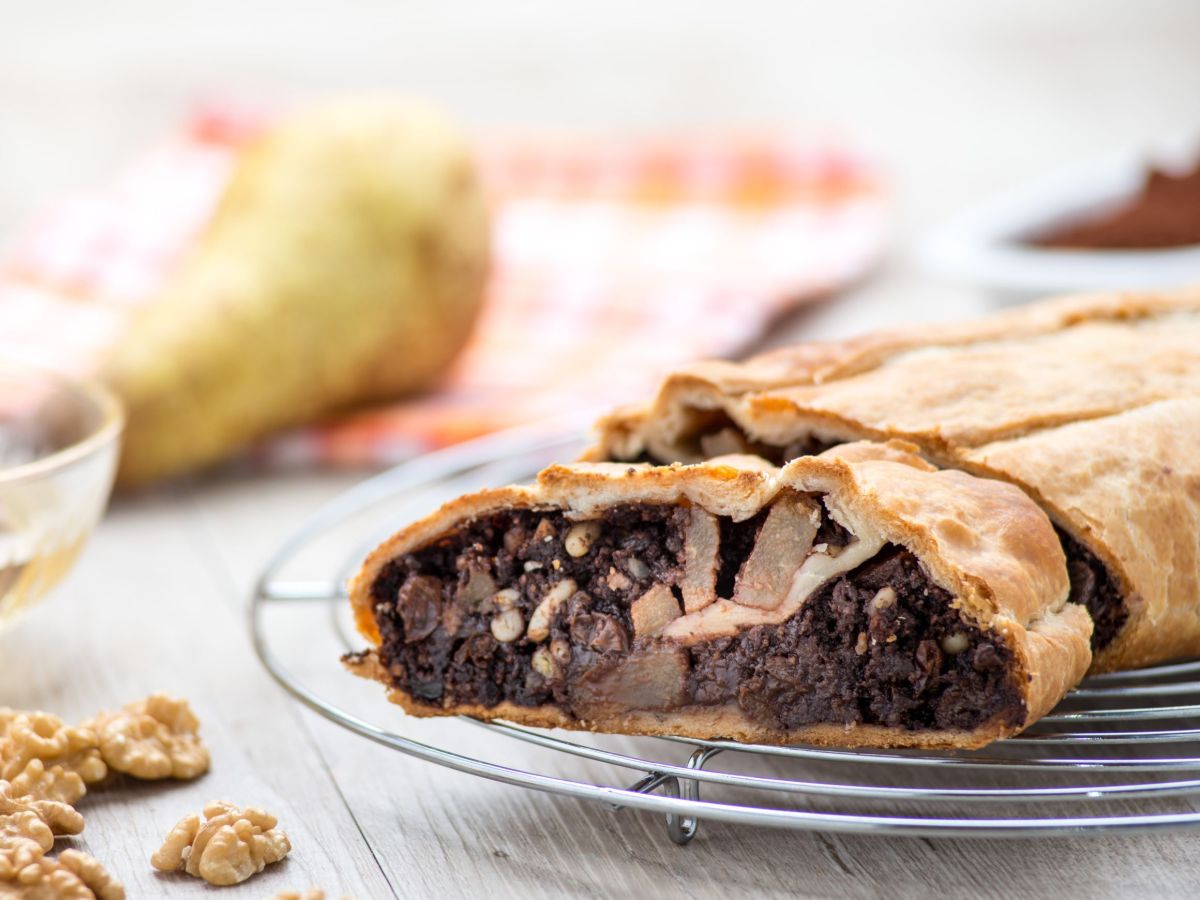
(612, 263)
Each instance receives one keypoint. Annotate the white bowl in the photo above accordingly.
(986, 245)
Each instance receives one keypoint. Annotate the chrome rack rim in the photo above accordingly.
(845, 823)
(680, 800)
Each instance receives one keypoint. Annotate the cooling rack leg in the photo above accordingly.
(681, 829)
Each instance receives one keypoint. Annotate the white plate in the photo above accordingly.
(984, 246)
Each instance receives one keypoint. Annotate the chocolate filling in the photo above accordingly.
(846, 658)
(1092, 583)
(736, 542)
(878, 645)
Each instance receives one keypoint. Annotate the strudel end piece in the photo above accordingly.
(1090, 404)
(861, 597)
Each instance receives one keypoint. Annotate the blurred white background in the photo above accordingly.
(959, 100)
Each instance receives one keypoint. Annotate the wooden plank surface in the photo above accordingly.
(156, 605)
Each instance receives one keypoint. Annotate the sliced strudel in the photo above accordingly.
(861, 597)
(1090, 404)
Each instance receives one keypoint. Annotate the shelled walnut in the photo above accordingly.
(59, 817)
(92, 873)
(71, 876)
(24, 839)
(229, 847)
(152, 739)
(36, 735)
(45, 768)
(53, 783)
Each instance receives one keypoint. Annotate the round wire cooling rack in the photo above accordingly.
(1119, 754)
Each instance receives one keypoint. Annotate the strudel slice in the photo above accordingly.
(860, 597)
(1090, 404)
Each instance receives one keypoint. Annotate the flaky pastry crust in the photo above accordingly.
(983, 541)
(1088, 403)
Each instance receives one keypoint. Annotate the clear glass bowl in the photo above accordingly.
(58, 454)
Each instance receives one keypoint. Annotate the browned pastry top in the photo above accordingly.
(1089, 403)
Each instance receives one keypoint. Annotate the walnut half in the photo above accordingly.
(92, 873)
(230, 846)
(152, 739)
(59, 817)
(72, 876)
(28, 736)
(24, 839)
(53, 783)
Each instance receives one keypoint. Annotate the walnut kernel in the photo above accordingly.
(230, 846)
(73, 876)
(24, 838)
(543, 663)
(637, 568)
(508, 625)
(580, 538)
(40, 735)
(956, 643)
(539, 622)
(152, 739)
(89, 870)
(57, 816)
(53, 783)
(884, 598)
(171, 854)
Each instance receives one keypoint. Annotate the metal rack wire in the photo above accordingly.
(1121, 753)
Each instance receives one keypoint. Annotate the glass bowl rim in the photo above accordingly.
(112, 421)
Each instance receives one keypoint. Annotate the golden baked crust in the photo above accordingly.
(1087, 403)
(735, 486)
(707, 385)
(1129, 485)
(982, 540)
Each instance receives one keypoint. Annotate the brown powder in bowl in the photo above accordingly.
(1164, 213)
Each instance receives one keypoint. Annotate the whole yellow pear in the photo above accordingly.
(345, 264)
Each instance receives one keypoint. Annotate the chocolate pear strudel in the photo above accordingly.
(859, 597)
(1090, 404)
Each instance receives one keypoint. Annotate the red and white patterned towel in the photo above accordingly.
(613, 262)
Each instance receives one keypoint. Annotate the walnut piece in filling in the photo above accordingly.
(152, 739)
(231, 845)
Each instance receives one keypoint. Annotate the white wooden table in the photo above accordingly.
(156, 604)
(959, 100)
